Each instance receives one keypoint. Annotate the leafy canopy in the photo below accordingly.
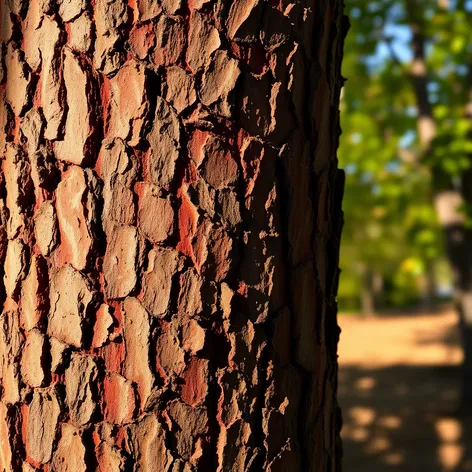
(391, 228)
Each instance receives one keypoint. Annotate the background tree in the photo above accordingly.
(391, 229)
(412, 78)
(170, 218)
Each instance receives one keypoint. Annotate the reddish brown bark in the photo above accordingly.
(170, 221)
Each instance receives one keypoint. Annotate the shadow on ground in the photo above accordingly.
(399, 393)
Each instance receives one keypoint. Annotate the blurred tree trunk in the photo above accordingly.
(372, 288)
(448, 198)
(170, 211)
(367, 301)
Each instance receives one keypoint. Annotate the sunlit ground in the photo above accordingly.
(398, 388)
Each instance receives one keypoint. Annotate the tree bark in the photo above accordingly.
(170, 217)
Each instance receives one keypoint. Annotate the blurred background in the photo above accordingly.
(405, 294)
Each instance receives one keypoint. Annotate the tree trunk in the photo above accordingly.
(368, 293)
(459, 250)
(171, 214)
(367, 302)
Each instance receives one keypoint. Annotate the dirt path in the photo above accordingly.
(398, 388)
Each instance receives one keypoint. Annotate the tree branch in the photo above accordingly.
(393, 54)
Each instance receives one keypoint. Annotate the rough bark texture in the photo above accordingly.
(170, 212)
